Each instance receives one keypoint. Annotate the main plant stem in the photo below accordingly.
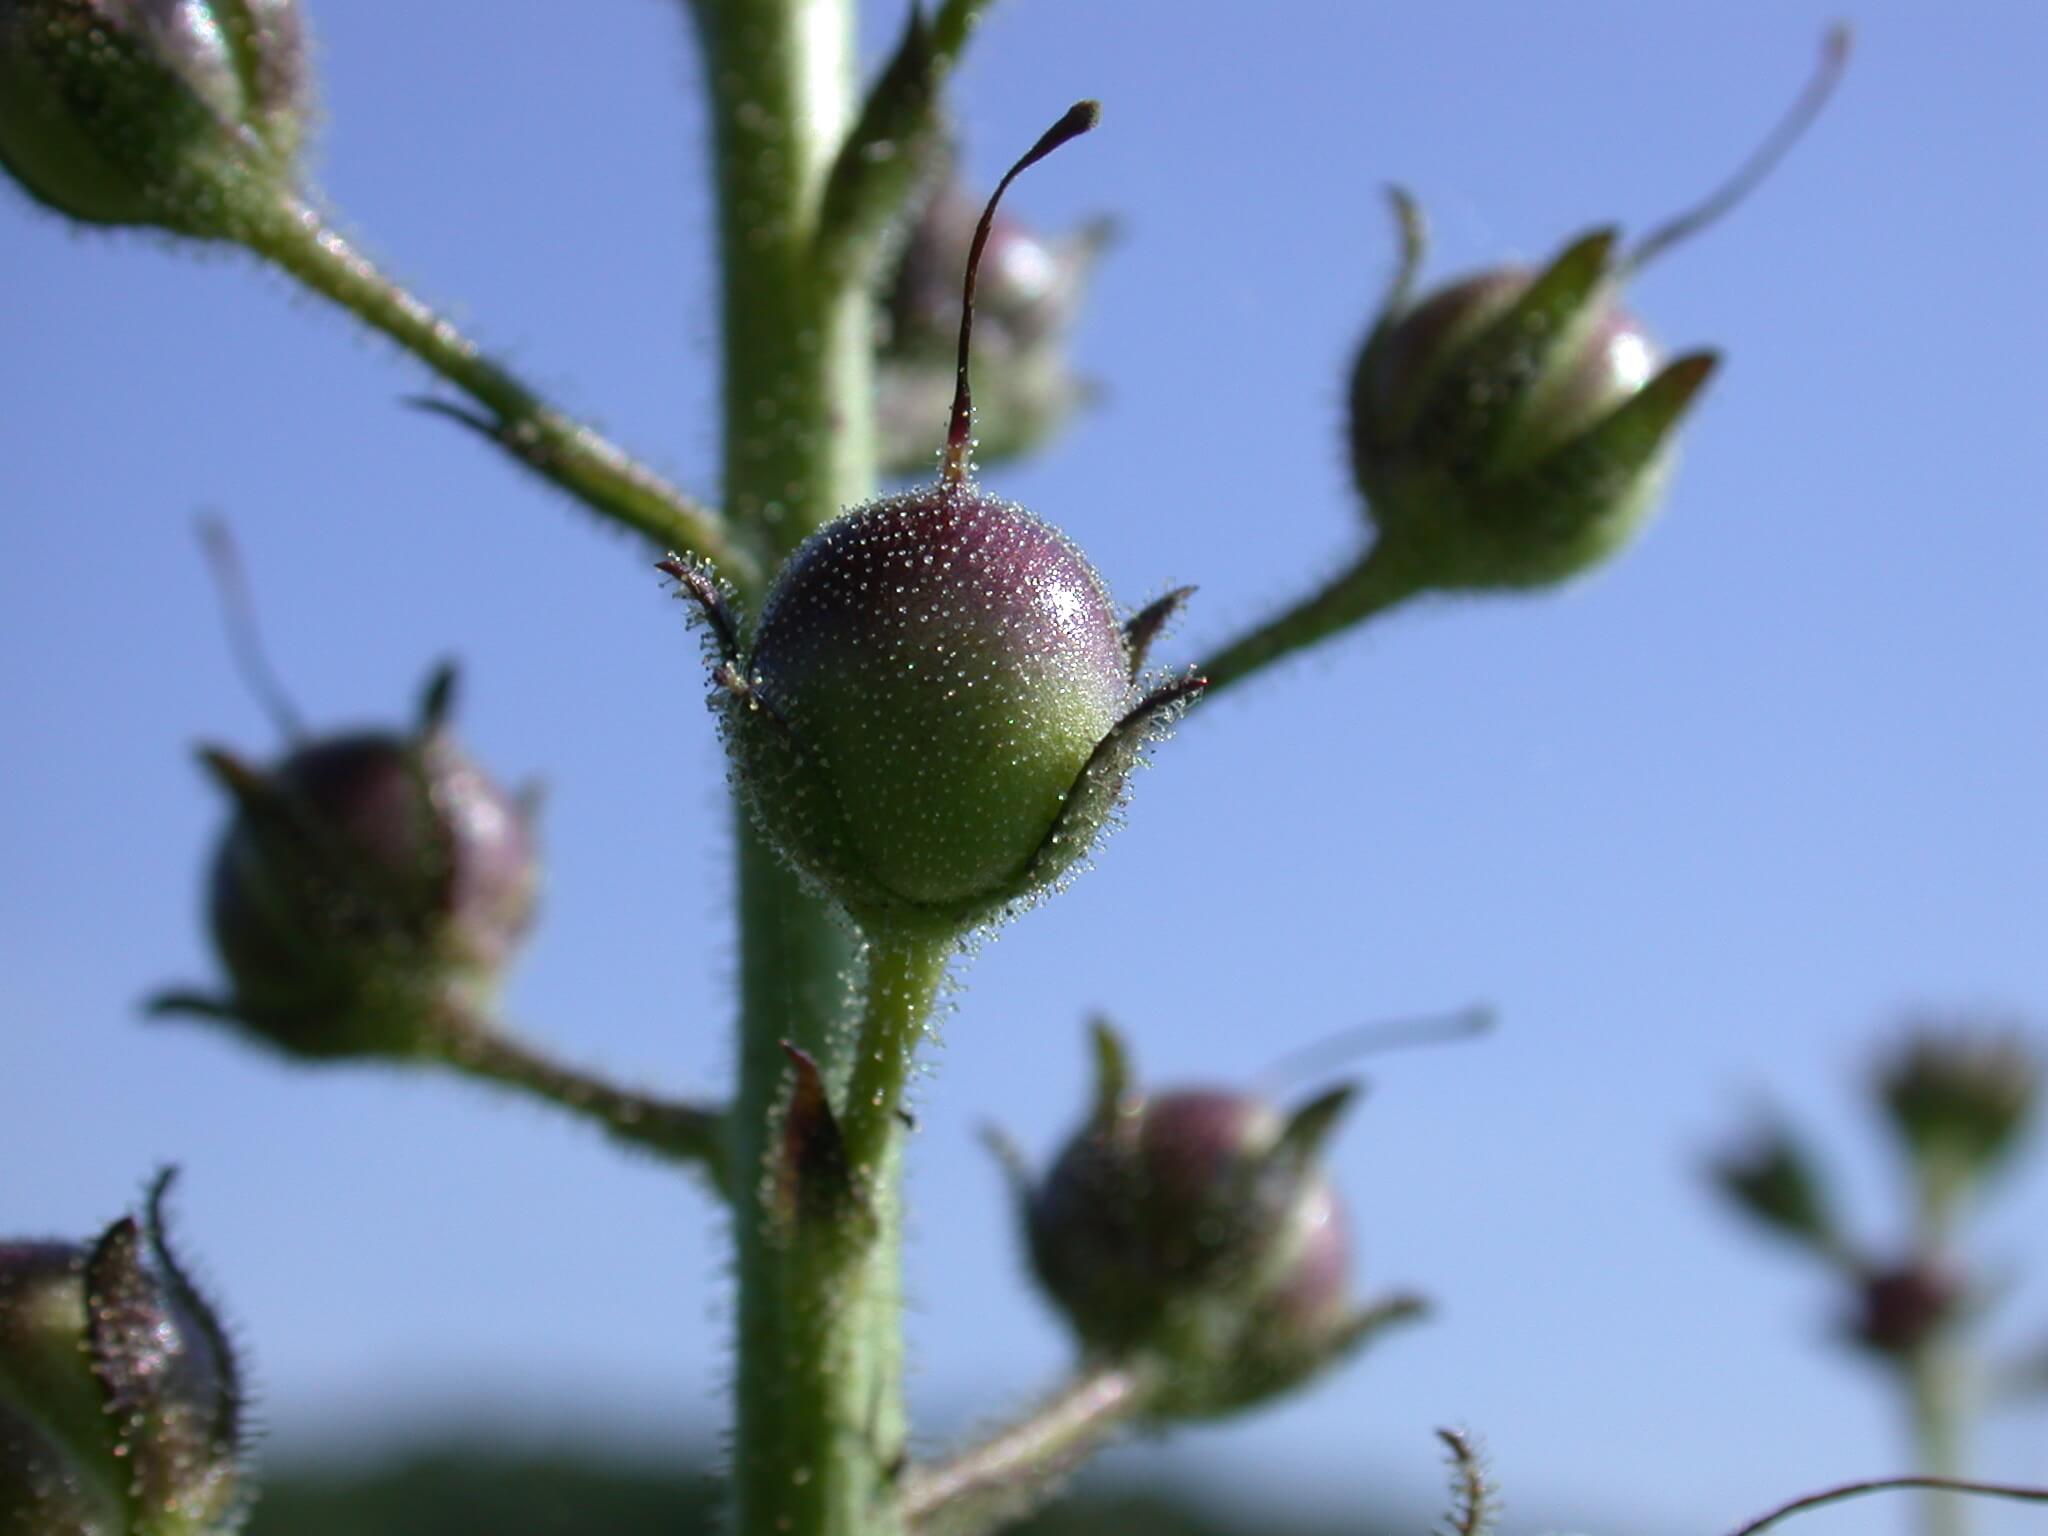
(818, 1394)
(1935, 1393)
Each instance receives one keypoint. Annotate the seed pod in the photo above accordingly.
(172, 113)
(1513, 429)
(365, 881)
(120, 1401)
(938, 707)
(1197, 1228)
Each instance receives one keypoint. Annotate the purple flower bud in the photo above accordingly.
(1028, 297)
(363, 880)
(1197, 1228)
(120, 1402)
(1902, 1308)
(1511, 429)
(155, 112)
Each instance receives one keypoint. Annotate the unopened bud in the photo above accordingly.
(173, 113)
(1029, 296)
(1903, 1307)
(364, 882)
(120, 1402)
(1198, 1229)
(1511, 429)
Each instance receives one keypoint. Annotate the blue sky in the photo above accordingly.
(1700, 827)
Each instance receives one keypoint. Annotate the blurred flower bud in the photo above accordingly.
(1198, 1228)
(1029, 295)
(1771, 1177)
(1960, 1096)
(1901, 1308)
(364, 882)
(170, 113)
(1511, 429)
(120, 1401)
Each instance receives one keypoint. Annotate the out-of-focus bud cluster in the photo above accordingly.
(366, 882)
(1955, 1098)
(1028, 297)
(171, 113)
(120, 1400)
(1197, 1231)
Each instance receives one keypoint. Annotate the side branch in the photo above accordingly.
(1372, 586)
(679, 1132)
(1019, 1467)
(555, 446)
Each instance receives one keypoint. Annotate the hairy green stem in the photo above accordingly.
(297, 237)
(1372, 585)
(902, 982)
(796, 961)
(1018, 1467)
(687, 1133)
(818, 1414)
(842, 1290)
(797, 342)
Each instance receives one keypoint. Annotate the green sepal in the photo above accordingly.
(1474, 405)
(1112, 1073)
(1586, 499)
(1099, 789)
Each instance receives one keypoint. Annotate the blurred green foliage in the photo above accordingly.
(475, 1492)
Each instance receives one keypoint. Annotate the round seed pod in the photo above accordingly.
(949, 664)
